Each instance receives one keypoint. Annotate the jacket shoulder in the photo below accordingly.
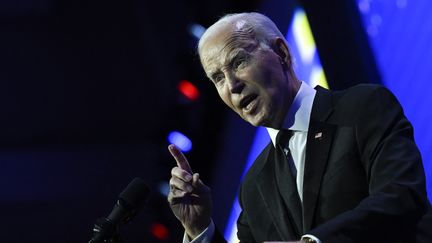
(362, 89)
(258, 164)
(362, 96)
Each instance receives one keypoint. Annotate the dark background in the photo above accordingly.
(88, 95)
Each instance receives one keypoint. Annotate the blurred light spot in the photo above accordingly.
(180, 140)
(189, 90)
(372, 30)
(197, 30)
(401, 3)
(159, 231)
(164, 188)
(376, 19)
(364, 6)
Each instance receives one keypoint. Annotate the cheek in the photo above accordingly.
(261, 64)
(264, 76)
(224, 95)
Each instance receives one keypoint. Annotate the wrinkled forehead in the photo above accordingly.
(223, 40)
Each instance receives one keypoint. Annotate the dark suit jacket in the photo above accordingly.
(363, 182)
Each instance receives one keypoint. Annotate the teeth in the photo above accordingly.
(249, 106)
(248, 102)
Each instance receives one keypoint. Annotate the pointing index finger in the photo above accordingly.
(180, 158)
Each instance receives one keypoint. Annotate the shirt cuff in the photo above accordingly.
(204, 237)
(311, 237)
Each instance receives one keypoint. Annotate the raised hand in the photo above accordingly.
(189, 197)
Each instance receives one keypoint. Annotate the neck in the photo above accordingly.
(293, 89)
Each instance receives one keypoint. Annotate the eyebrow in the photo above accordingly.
(230, 58)
(242, 46)
(245, 47)
(233, 55)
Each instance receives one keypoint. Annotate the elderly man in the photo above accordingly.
(341, 166)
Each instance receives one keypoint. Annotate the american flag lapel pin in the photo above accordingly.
(318, 135)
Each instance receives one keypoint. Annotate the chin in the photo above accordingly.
(258, 120)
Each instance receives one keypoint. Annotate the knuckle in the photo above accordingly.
(171, 182)
(173, 170)
(183, 175)
(177, 183)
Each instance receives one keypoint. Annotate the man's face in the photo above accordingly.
(250, 78)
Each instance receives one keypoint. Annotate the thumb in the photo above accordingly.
(198, 184)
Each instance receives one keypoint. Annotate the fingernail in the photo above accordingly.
(188, 177)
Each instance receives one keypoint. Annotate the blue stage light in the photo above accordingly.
(197, 30)
(180, 140)
(163, 188)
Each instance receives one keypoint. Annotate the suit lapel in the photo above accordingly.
(320, 136)
(268, 189)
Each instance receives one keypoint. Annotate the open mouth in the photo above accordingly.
(248, 101)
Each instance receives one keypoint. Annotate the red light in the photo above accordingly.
(159, 231)
(189, 90)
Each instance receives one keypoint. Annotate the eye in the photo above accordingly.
(240, 62)
(218, 77)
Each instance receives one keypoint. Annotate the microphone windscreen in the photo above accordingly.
(135, 194)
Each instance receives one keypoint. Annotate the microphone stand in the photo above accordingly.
(104, 231)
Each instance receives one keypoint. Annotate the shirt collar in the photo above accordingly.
(298, 116)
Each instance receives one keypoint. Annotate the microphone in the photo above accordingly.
(129, 202)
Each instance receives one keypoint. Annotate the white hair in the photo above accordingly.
(257, 25)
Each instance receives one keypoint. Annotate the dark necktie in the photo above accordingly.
(286, 180)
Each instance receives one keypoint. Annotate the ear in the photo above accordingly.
(282, 50)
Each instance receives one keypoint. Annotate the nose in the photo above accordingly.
(235, 85)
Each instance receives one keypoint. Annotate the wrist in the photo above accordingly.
(195, 230)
